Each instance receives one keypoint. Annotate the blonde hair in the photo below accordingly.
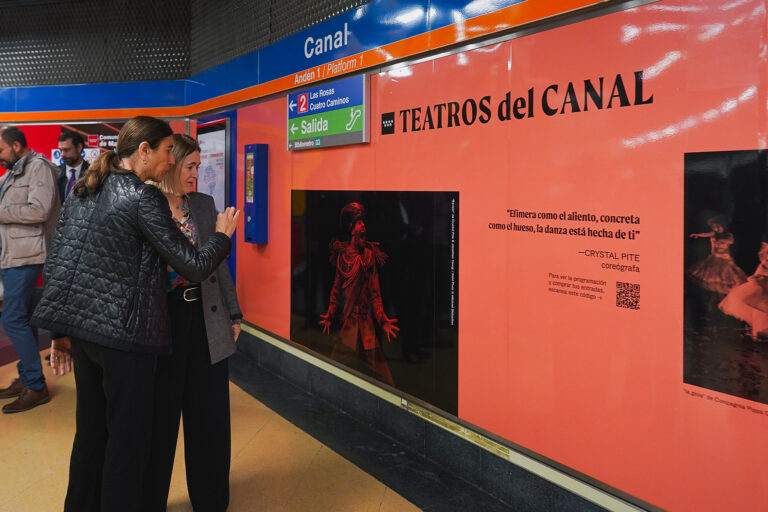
(183, 146)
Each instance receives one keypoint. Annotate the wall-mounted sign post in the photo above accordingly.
(332, 114)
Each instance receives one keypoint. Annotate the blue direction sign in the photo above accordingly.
(331, 114)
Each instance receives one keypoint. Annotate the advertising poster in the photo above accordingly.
(212, 174)
(374, 286)
(249, 177)
(98, 137)
(613, 222)
(726, 275)
(612, 176)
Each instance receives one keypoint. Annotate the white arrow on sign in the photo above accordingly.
(294, 128)
(291, 105)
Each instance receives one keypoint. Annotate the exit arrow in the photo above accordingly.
(294, 128)
(291, 105)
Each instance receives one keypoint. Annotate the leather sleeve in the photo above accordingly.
(157, 225)
(57, 241)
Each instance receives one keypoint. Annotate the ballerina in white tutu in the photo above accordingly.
(749, 301)
(717, 272)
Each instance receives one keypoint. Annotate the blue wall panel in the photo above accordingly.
(169, 93)
(7, 99)
(447, 12)
(234, 75)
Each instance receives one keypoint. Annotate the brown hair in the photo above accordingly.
(137, 130)
(183, 146)
(11, 134)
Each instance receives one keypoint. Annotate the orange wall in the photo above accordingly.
(264, 272)
(595, 387)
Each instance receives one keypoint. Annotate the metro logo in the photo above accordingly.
(388, 123)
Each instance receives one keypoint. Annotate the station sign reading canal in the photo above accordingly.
(332, 114)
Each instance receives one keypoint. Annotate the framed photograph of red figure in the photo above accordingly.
(374, 286)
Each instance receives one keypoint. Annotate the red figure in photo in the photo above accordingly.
(749, 301)
(356, 298)
(717, 272)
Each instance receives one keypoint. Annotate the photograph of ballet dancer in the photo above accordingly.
(374, 286)
(726, 273)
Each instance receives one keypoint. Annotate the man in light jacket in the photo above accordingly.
(29, 207)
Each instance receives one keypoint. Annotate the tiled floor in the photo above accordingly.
(275, 465)
(424, 483)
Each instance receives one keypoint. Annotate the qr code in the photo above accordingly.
(627, 295)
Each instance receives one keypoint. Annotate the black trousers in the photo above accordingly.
(188, 385)
(115, 392)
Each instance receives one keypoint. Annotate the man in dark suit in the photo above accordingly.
(71, 145)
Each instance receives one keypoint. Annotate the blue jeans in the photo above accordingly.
(19, 284)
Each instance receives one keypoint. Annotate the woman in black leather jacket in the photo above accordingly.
(105, 291)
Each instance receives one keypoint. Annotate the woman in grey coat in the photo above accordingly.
(193, 382)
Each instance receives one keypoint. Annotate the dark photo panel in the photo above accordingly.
(726, 273)
(374, 286)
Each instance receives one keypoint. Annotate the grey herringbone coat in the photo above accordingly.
(220, 305)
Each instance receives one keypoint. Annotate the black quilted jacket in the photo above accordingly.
(105, 275)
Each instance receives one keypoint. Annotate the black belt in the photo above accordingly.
(186, 293)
